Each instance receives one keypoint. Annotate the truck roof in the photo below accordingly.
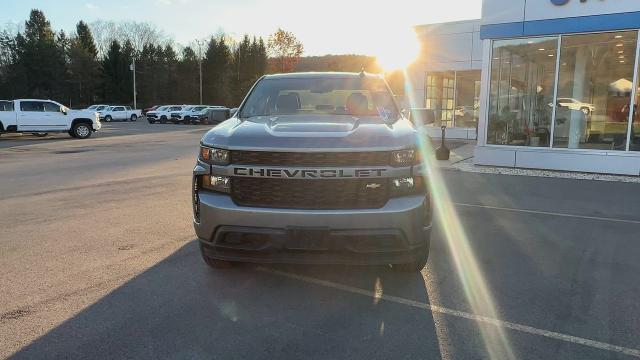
(325, 75)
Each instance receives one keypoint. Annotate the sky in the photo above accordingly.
(324, 26)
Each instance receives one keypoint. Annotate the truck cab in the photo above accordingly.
(44, 116)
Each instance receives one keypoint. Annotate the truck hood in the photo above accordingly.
(312, 132)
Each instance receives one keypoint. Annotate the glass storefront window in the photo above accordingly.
(521, 94)
(440, 96)
(467, 98)
(635, 125)
(594, 90)
(454, 96)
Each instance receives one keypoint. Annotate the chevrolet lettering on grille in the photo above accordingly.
(308, 173)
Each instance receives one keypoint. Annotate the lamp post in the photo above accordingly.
(200, 43)
(132, 67)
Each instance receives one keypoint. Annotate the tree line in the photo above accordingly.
(78, 70)
(93, 64)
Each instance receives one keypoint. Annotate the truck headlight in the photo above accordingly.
(216, 183)
(405, 157)
(214, 156)
(407, 186)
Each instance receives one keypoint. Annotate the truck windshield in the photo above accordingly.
(321, 96)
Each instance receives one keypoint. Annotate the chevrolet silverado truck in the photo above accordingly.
(119, 113)
(187, 113)
(41, 117)
(314, 168)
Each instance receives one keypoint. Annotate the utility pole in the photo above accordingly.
(199, 43)
(132, 67)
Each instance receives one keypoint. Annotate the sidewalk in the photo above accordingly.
(461, 152)
(461, 159)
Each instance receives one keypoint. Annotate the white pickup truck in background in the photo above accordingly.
(163, 113)
(120, 113)
(40, 117)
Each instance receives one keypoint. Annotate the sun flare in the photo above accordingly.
(400, 51)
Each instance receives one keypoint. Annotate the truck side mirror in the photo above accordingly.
(63, 110)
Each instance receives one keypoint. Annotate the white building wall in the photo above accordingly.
(512, 11)
(514, 15)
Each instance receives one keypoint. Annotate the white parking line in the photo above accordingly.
(460, 314)
(549, 213)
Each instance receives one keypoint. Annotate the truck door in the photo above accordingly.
(37, 116)
(118, 113)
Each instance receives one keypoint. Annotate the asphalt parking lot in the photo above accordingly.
(98, 259)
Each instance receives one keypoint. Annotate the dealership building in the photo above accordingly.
(545, 84)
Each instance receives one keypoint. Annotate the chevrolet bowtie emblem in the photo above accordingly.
(373, 186)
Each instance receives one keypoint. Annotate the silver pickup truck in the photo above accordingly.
(314, 168)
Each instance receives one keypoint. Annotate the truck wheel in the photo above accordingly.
(81, 130)
(151, 121)
(134, 117)
(417, 264)
(107, 118)
(163, 119)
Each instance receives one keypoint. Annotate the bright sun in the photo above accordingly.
(400, 52)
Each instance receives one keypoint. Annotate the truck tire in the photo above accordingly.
(134, 117)
(163, 119)
(81, 130)
(108, 118)
(417, 264)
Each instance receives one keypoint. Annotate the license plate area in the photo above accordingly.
(317, 239)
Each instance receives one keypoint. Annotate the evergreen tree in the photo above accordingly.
(85, 39)
(40, 60)
(216, 68)
(83, 66)
(126, 89)
(113, 76)
(168, 76)
(188, 87)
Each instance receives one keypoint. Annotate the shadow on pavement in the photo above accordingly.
(180, 308)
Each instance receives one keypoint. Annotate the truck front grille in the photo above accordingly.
(268, 158)
(315, 194)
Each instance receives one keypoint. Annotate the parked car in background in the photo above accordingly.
(145, 111)
(184, 116)
(192, 114)
(120, 113)
(212, 115)
(97, 107)
(152, 115)
(163, 113)
(573, 104)
(41, 117)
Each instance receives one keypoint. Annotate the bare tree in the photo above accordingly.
(104, 32)
(138, 33)
(285, 48)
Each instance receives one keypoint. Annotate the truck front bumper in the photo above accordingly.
(393, 234)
